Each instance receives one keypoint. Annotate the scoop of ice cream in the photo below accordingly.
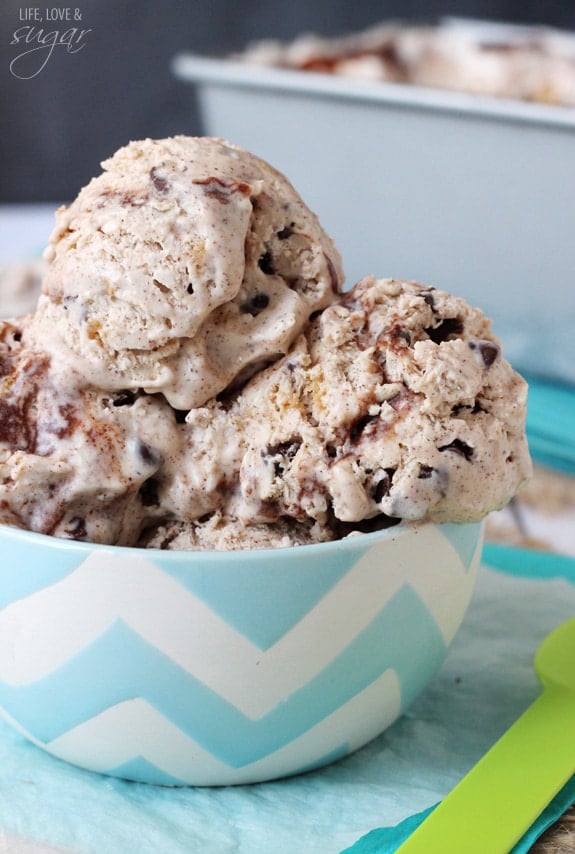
(76, 463)
(395, 401)
(186, 265)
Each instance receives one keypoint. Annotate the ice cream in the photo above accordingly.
(522, 63)
(20, 283)
(395, 401)
(131, 416)
(160, 271)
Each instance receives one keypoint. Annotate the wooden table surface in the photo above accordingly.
(559, 839)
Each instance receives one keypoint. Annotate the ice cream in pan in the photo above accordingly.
(194, 375)
(526, 63)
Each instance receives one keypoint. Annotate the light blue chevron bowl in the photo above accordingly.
(185, 668)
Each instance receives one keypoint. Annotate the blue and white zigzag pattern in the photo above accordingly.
(137, 669)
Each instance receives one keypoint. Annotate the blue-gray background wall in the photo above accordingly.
(60, 123)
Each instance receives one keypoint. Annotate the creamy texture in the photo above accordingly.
(20, 283)
(395, 404)
(75, 463)
(224, 533)
(186, 264)
(397, 401)
(193, 379)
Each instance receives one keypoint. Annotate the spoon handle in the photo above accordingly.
(498, 800)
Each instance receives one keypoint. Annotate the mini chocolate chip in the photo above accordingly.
(76, 528)
(399, 334)
(261, 301)
(331, 451)
(124, 398)
(190, 288)
(359, 426)
(287, 449)
(148, 492)
(285, 232)
(255, 305)
(488, 350)
(428, 298)
(266, 265)
(448, 327)
(162, 185)
(460, 408)
(382, 487)
(459, 447)
(380, 490)
(150, 456)
(425, 472)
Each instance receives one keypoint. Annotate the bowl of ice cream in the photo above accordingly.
(241, 508)
(214, 668)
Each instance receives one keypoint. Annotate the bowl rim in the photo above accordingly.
(349, 543)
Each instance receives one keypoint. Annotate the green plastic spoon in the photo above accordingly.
(498, 800)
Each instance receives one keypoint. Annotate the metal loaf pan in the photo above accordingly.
(472, 194)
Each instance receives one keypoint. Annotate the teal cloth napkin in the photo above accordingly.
(386, 840)
(486, 682)
(551, 424)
